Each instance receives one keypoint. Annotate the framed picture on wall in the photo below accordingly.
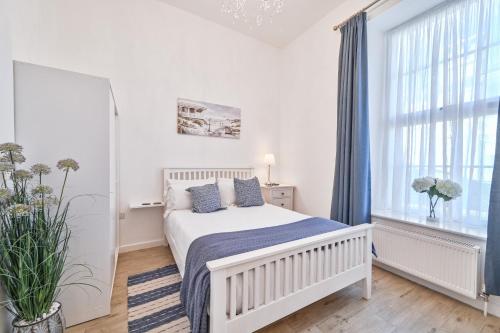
(208, 119)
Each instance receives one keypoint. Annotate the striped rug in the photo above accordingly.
(153, 302)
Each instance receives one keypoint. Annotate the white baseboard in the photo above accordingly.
(493, 304)
(142, 245)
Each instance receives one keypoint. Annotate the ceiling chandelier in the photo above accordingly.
(253, 12)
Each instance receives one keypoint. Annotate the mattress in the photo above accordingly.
(182, 227)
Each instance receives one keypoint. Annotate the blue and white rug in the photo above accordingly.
(153, 302)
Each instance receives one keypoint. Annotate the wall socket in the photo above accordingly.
(122, 216)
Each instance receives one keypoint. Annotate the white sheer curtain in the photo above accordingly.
(440, 109)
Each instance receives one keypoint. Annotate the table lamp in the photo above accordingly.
(269, 160)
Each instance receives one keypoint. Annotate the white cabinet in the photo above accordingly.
(280, 195)
(61, 114)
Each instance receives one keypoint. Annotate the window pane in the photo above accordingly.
(442, 86)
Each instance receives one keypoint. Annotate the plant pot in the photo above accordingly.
(52, 323)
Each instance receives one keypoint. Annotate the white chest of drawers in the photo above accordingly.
(281, 195)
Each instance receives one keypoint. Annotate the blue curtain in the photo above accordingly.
(351, 200)
(492, 264)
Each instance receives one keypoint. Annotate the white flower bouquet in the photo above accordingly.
(436, 189)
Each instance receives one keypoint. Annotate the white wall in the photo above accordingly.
(309, 111)
(154, 53)
(6, 86)
(6, 105)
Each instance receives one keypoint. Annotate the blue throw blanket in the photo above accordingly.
(195, 289)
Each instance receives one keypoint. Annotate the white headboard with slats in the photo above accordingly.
(204, 173)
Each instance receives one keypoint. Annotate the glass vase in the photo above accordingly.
(432, 210)
(53, 323)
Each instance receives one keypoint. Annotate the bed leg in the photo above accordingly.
(217, 302)
(367, 288)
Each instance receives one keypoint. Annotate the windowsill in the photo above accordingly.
(479, 232)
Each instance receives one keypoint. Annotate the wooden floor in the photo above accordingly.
(397, 305)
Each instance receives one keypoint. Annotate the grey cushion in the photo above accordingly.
(206, 198)
(248, 192)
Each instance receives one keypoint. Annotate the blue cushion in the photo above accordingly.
(248, 192)
(206, 198)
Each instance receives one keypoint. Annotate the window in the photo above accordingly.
(442, 87)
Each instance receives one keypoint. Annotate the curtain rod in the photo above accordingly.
(341, 24)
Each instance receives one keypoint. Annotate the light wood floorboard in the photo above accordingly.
(397, 306)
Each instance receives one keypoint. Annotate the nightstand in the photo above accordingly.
(281, 195)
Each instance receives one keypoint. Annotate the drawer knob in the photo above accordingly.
(282, 193)
(282, 204)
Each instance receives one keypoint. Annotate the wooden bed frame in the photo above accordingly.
(313, 268)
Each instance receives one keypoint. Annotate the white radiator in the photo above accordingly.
(445, 262)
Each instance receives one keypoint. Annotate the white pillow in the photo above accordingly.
(176, 195)
(226, 189)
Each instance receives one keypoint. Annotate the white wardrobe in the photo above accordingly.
(61, 114)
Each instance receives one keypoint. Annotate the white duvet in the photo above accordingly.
(182, 227)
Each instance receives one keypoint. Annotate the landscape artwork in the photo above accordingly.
(207, 119)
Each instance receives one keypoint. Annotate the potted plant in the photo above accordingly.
(34, 241)
(436, 189)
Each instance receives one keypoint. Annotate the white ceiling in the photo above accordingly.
(297, 16)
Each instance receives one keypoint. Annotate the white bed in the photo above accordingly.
(251, 290)
(182, 227)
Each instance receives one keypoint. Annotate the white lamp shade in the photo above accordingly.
(269, 159)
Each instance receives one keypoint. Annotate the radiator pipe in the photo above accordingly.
(485, 298)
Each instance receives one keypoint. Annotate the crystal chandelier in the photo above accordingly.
(253, 12)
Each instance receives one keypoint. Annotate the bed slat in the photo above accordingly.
(244, 305)
(232, 292)
(267, 283)
(256, 289)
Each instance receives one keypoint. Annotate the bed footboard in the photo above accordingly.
(251, 290)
